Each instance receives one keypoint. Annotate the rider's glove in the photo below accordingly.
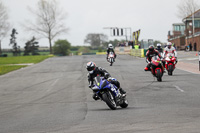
(106, 75)
(109, 79)
(176, 59)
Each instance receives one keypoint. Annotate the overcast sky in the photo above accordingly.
(153, 17)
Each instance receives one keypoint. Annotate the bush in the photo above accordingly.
(84, 50)
(61, 47)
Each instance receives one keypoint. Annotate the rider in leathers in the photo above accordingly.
(159, 48)
(150, 53)
(110, 49)
(95, 71)
(170, 49)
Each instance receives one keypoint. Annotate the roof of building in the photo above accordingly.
(178, 24)
(196, 14)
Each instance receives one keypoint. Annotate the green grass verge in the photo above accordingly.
(10, 54)
(22, 59)
(5, 68)
(5, 62)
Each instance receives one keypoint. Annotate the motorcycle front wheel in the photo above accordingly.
(170, 71)
(109, 99)
(159, 75)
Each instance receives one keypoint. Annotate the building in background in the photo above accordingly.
(177, 36)
(185, 34)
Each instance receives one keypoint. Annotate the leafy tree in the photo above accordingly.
(113, 42)
(16, 49)
(31, 47)
(49, 20)
(95, 40)
(61, 47)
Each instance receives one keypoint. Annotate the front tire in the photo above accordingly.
(159, 75)
(170, 71)
(109, 99)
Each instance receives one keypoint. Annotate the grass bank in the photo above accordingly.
(5, 68)
(8, 64)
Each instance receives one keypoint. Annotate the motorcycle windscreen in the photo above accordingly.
(104, 83)
(97, 80)
(155, 61)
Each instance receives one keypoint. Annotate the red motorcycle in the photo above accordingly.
(170, 63)
(157, 68)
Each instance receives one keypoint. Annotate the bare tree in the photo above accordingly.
(4, 24)
(187, 7)
(49, 20)
(95, 40)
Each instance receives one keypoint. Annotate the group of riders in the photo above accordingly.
(94, 71)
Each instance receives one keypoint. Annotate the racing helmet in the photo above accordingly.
(151, 48)
(169, 44)
(110, 46)
(91, 66)
(158, 45)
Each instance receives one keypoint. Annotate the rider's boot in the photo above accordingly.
(95, 97)
(146, 69)
(123, 92)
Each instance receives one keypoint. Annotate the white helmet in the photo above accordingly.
(169, 44)
(110, 46)
(158, 45)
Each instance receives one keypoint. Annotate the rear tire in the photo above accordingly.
(111, 62)
(159, 75)
(108, 98)
(170, 71)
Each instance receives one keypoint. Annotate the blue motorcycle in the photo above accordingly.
(109, 93)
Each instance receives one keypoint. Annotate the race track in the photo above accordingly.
(53, 96)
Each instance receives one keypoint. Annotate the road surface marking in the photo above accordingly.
(54, 82)
(178, 88)
(188, 59)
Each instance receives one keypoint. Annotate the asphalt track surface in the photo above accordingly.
(53, 97)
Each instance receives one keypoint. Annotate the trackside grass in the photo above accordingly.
(5, 69)
(8, 64)
(22, 59)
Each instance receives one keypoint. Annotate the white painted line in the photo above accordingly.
(178, 88)
(188, 59)
(187, 71)
(54, 82)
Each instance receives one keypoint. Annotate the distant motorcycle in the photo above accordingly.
(109, 93)
(157, 68)
(170, 63)
(111, 58)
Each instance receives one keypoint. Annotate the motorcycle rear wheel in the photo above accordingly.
(111, 62)
(108, 98)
